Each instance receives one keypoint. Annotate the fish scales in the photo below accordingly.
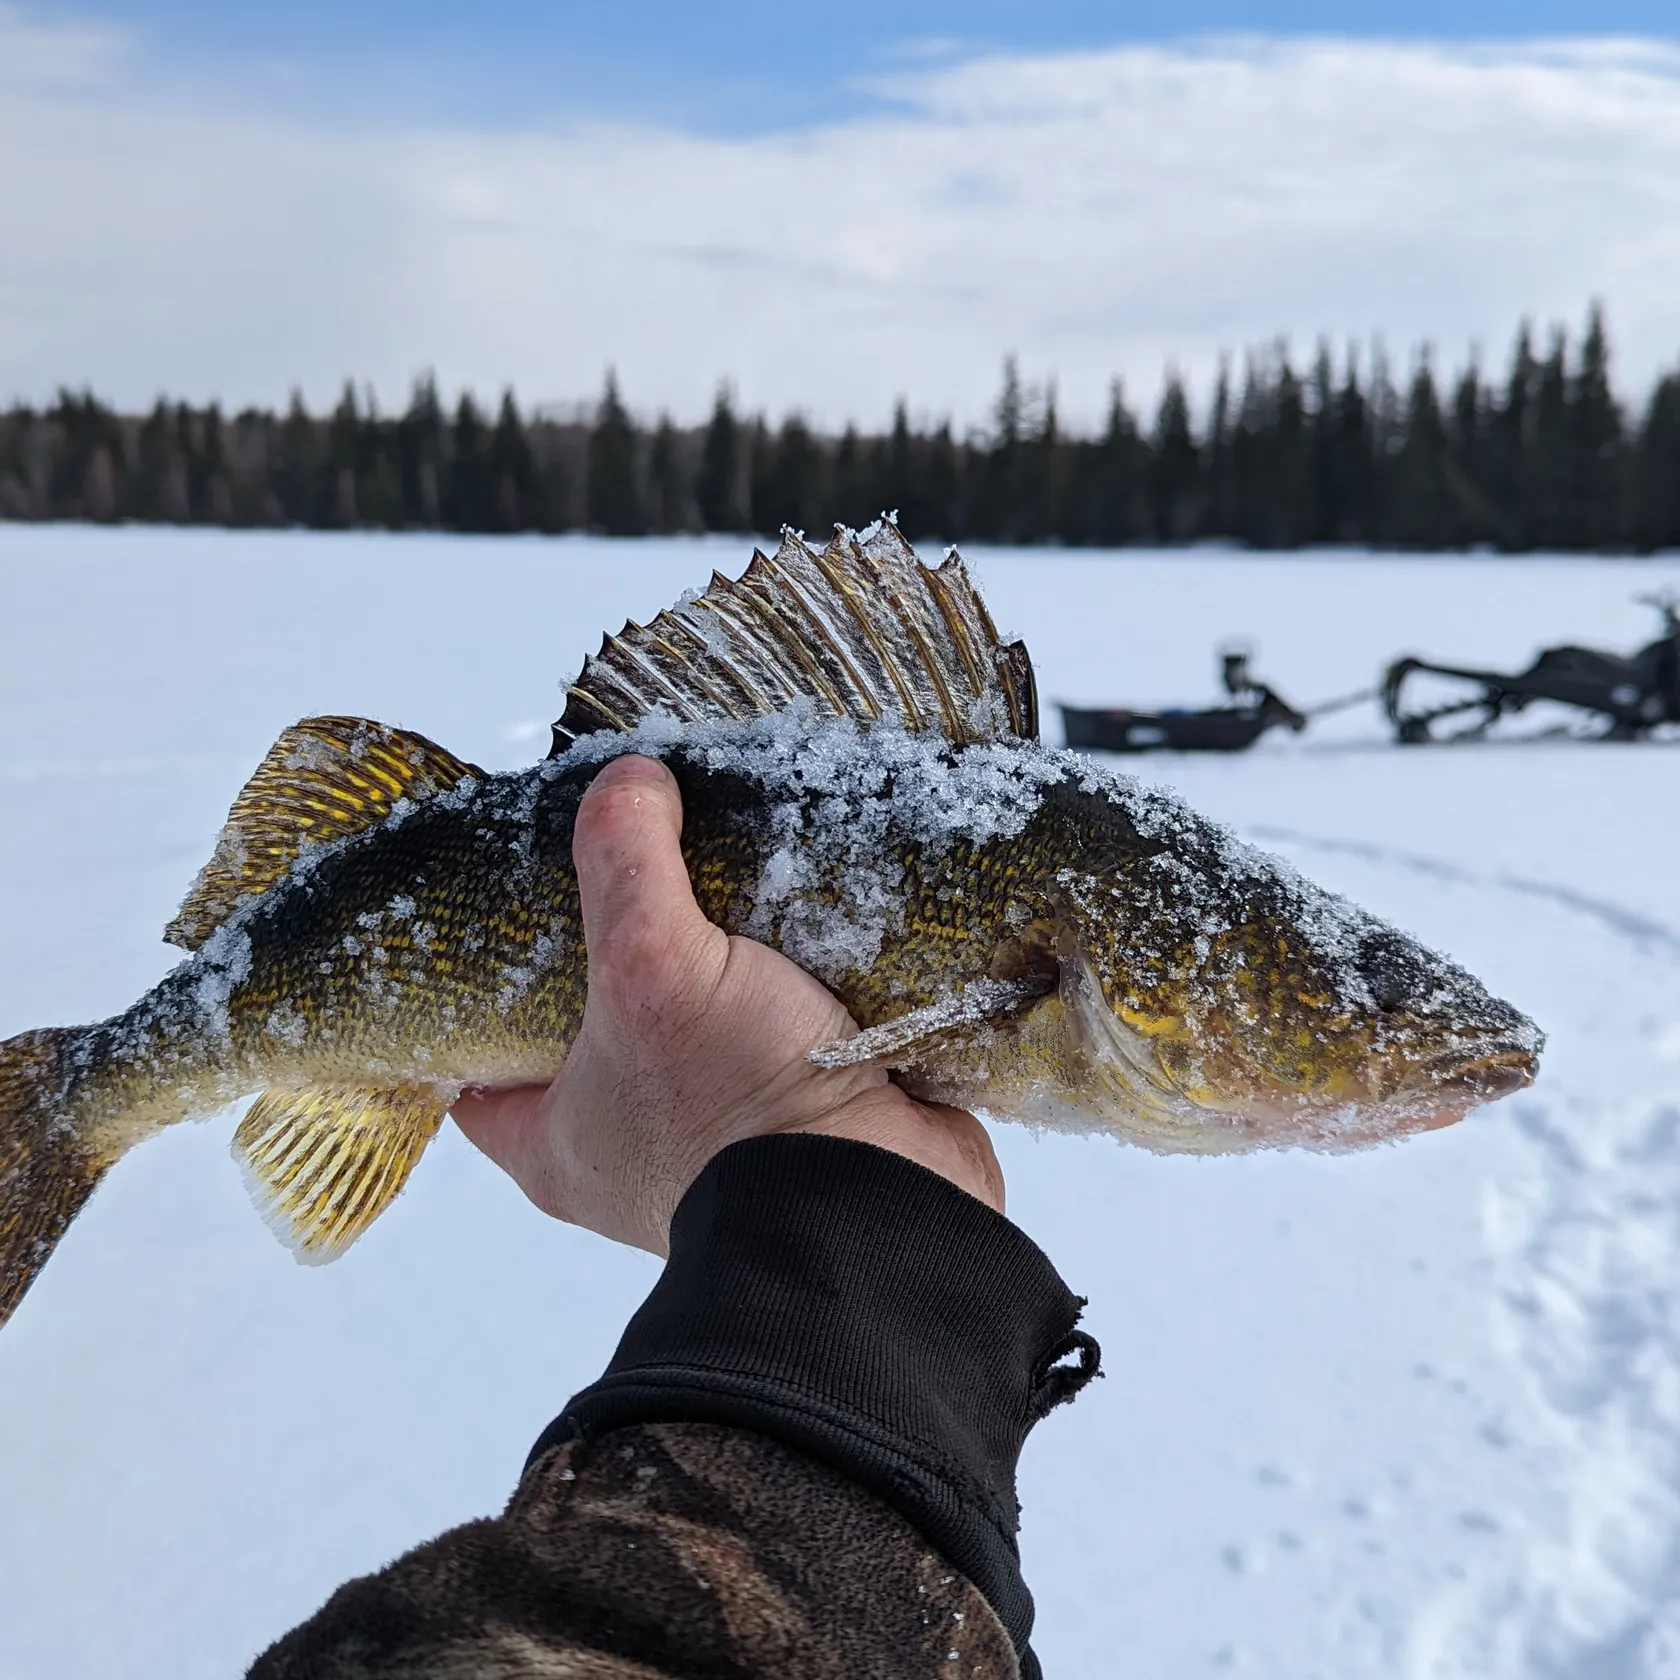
(1012, 928)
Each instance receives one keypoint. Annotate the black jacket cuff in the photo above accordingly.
(868, 1313)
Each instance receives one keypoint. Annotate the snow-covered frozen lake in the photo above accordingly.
(1411, 1413)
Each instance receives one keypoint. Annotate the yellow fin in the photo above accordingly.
(859, 629)
(323, 1163)
(325, 778)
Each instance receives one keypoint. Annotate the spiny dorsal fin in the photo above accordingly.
(325, 778)
(861, 629)
(323, 1164)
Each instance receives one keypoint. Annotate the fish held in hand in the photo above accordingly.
(1013, 928)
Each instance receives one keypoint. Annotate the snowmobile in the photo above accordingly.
(1257, 708)
(1631, 693)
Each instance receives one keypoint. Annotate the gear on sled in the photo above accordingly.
(1257, 707)
(1630, 693)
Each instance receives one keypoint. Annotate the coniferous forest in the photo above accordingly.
(1545, 457)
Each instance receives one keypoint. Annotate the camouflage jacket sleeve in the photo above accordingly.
(799, 1464)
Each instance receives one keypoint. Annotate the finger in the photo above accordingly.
(641, 925)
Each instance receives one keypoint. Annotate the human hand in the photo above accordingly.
(691, 1040)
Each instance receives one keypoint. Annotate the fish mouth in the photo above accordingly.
(1446, 1089)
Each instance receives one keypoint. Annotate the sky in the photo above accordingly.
(742, 66)
(830, 206)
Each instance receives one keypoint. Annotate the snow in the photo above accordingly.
(1409, 1413)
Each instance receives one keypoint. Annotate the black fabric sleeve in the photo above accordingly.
(861, 1309)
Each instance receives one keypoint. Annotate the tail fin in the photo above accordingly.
(47, 1171)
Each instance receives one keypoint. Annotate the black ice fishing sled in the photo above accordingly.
(1629, 693)
(1256, 709)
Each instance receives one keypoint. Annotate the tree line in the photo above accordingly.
(1544, 457)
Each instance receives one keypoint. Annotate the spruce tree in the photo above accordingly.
(25, 479)
(796, 490)
(1321, 446)
(1292, 517)
(295, 471)
(902, 492)
(850, 478)
(177, 493)
(612, 481)
(1219, 464)
(761, 477)
(512, 469)
(1469, 461)
(1548, 460)
(1250, 456)
(1511, 444)
(667, 485)
(1594, 489)
(1042, 475)
(1423, 508)
(717, 491)
(1656, 495)
(252, 457)
(213, 495)
(1108, 481)
(1175, 478)
(1351, 513)
(469, 497)
(553, 477)
(421, 450)
(342, 504)
(156, 457)
(378, 485)
(996, 512)
(942, 485)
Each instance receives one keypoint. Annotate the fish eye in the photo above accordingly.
(1392, 967)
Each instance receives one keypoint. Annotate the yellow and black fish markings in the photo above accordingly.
(1013, 928)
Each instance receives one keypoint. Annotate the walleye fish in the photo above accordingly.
(1013, 928)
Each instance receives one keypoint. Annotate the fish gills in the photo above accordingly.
(323, 1164)
(47, 1168)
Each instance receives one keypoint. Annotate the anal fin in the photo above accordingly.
(324, 1162)
(889, 1042)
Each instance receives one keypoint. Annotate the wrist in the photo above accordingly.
(947, 1141)
(866, 1313)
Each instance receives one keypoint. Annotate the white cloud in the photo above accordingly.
(1095, 212)
(36, 55)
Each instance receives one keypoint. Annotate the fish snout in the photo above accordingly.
(1448, 1088)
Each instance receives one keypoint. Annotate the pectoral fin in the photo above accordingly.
(322, 1164)
(893, 1042)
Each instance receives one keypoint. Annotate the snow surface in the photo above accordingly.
(1409, 1413)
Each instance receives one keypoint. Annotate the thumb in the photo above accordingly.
(643, 930)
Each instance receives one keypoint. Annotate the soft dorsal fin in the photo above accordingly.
(860, 629)
(324, 779)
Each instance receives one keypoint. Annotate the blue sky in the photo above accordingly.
(730, 66)
(828, 206)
